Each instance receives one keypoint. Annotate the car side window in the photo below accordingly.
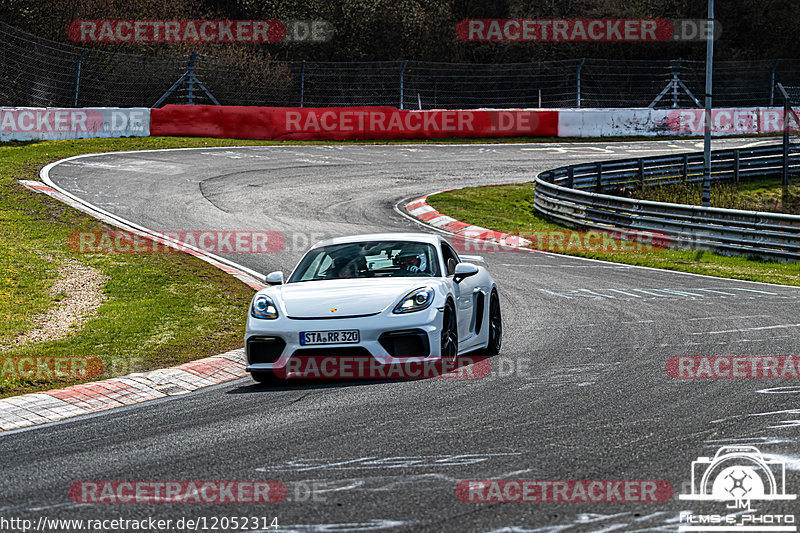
(450, 259)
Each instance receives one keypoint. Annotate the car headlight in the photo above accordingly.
(263, 307)
(416, 300)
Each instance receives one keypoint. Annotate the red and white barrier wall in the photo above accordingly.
(666, 122)
(378, 123)
(353, 123)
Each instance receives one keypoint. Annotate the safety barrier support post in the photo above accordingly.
(191, 78)
(402, 72)
(302, 81)
(641, 173)
(598, 184)
(685, 168)
(78, 77)
(772, 83)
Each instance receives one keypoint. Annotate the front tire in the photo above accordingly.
(495, 341)
(449, 348)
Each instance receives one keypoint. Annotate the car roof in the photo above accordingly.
(411, 237)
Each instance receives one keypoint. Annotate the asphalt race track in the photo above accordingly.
(579, 391)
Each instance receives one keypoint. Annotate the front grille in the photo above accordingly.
(355, 351)
(264, 349)
(331, 317)
(406, 343)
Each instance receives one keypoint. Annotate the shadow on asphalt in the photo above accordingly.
(310, 384)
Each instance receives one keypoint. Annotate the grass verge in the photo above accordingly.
(159, 309)
(509, 208)
(763, 194)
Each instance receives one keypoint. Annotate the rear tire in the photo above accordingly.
(495, 341)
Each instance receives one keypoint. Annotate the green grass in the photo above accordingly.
(764, 194)
(509, 208)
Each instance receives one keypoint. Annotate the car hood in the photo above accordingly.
(345, 297)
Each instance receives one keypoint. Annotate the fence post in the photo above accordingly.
(598, 184)
(736, 166)
(190, 79)
(675, 78)
(685, 168)
(787, 110)
(78, 77)
(302, 81)
(641, 173)
(570, 176)
(402, 72)
(580, 67)
(772, 83)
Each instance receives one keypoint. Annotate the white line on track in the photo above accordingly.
(742, 330)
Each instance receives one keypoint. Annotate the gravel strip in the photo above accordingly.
(82, 287)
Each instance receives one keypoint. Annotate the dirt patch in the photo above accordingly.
(78, 291)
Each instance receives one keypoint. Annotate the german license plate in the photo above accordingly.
(339, 336)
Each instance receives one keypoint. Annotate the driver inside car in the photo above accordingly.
(413, 264)
(345, 268)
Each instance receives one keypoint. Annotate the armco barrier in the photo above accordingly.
(573, 196)
(40, 124)
(348, 123)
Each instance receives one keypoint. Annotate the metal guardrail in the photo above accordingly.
(573, 195)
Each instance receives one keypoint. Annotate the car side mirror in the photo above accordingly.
(464, 270)
(275, 278)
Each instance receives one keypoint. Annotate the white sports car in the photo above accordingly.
(386, 298)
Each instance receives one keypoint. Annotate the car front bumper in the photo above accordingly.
(288, 357)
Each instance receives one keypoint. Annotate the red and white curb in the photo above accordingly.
(50, 406)
(419, 209)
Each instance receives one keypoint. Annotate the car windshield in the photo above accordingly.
(369, 259)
